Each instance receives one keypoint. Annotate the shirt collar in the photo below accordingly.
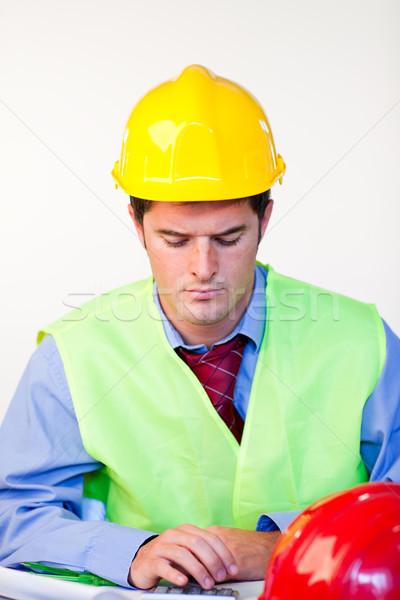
(252, 324)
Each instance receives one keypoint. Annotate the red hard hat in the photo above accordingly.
(344, 546)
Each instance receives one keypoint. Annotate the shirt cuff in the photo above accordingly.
(276, 520)
(113, 550)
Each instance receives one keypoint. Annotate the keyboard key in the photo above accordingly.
(192, 591)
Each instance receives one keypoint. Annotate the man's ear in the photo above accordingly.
(266, 217)
(138, 227)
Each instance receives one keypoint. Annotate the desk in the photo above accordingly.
(20, 585)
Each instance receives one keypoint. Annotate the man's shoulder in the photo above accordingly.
(301, 314)
(115, 304)
(279, 284)
(315, 308)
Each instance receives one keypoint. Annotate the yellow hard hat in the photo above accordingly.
(197, 137)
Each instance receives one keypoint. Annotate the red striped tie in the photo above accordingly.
(217, 371)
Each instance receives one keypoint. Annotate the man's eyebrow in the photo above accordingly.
(239, 229)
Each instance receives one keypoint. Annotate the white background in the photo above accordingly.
(327, 74)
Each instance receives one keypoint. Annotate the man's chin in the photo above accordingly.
(203, 322)
(204, 318)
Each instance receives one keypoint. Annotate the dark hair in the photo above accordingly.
(258, 203)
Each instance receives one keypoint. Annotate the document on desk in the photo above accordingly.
(20, 585)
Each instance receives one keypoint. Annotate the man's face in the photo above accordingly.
(202, 257)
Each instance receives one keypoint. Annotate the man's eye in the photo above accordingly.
(225, 242)
(172, 244)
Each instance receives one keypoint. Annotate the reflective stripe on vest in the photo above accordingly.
(170, 459)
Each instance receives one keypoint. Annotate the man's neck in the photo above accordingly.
(207, 334)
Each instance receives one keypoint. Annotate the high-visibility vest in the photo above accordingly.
(170, 459)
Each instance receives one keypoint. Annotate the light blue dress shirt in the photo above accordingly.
(43, 516)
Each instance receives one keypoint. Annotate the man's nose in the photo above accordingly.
(203, 262)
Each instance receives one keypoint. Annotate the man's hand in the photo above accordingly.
(181, 552)
(250, 549)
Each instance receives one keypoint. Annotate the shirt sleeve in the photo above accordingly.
(380, 431)
(42, 512)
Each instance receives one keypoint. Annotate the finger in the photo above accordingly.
(160, 559)
(226, 561)
(185, 559)
(146, 576)
(199, 549)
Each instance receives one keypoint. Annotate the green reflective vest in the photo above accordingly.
(169, 458)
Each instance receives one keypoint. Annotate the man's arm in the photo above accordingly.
(211, 556)
(380, 431)
(380, 428)
(41, 481)
(43, 517)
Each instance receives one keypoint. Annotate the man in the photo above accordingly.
(132, 410)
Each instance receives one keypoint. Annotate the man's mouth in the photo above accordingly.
(204, 293)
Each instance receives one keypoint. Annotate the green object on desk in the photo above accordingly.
(66, 575)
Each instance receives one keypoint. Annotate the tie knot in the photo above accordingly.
(218, 353)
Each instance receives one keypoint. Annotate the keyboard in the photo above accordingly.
(192, 591)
